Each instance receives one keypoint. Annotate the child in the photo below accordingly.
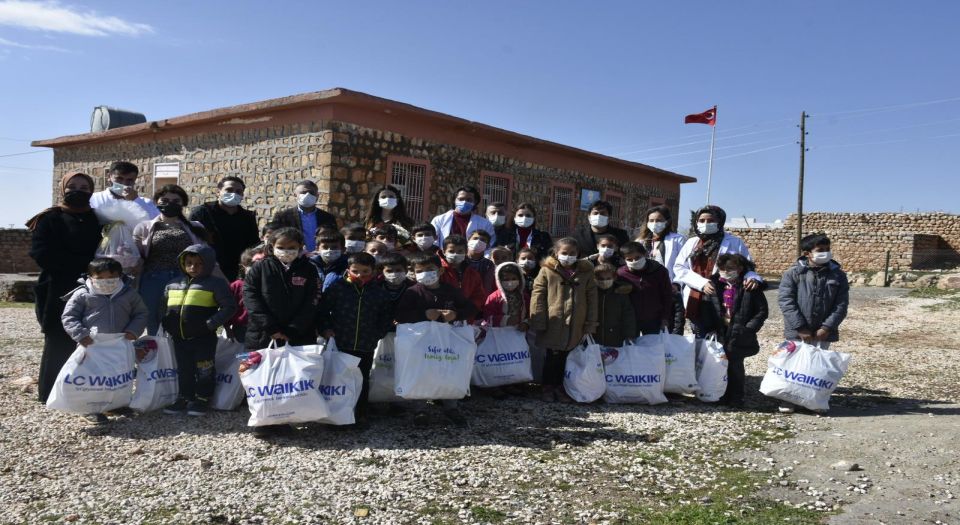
(425, 238)
(458, 273)
(236, 327)
(329, 259)
(563, 309)
(393, 277)
(608, 251)
(356, 238)
(813, 296)
(652, 293)
(377, 249)
(615, 316)
(356, 311)
(197, 304)
(530, 264)
(386, 234)
(105, 302)
(508, 305)
(735, 314)
(500, 255)
(434, 300)
(476, 247)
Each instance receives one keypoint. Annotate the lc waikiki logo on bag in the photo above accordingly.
(156, 385)
(96, 378)
(634, 373)
(804, 374)
(503, 358)
(283, 387)
(340, 384)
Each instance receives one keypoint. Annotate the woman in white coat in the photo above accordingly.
(697, 260)
(461, 220)
(663, 245)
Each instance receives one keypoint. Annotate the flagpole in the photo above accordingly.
(713, 138)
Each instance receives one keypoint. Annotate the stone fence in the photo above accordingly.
(15, 250)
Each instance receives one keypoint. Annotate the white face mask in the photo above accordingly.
(306, 200)
(729, 276)
(389, 244)
(107, 286)
(637, 264)
(657, 226)
(231, 199)
(604, 283)
(496, 219)
(476, 245)
(286, 256)
(387, 203)
(428, 278)
(510, 285)
(598, 220)
(605, 251)
(394, 277)
(567, 260)
(454, 258)
(329, 255)
(354, 246)
(118, 189)
(423, 242)
(528, 263)
(523, 221)
(821, 258)
(708, 228)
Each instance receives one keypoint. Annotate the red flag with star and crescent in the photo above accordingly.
(708, 117)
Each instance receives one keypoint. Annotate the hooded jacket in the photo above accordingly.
(563, 309)
(811, 298)
(652, 293)
(280, 299)
(469, 282)
(739, 338)
(359, 315)
(196, 306)
(615, 314)
(495, 308)
(124, 311)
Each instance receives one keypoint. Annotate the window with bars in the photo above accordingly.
(410, 177)
(616, 200)
(561, 205)
(496, 188)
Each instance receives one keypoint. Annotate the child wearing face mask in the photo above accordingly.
(652, 294)
(393, 276)
(608, 251)
(457, 272)
(735, 315)
(106, 303)
(615, 316)
(509, 304)
(424, 237)
(355, 238)
(387, 235)
(530, 264)
(329, 258)
(476, 248)
(563, 309)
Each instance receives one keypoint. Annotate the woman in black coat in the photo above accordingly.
(521, 232)
(64, 241)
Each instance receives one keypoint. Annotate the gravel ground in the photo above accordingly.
(520, 461)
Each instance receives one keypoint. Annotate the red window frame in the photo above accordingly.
(553, 207)
(484, 175)
(617, 200)
(424, 215)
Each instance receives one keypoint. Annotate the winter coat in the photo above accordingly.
(539, 241)
(280, 299)
(811, 298)
(615, 315)
(652, 293)
(485, 268)
(124, 311)
(495, 308)
(229, 234)
(240, 316)
(417, 299)
(359, 315)
(328, 273)
(197, 306)
(469, 282)
(587, 239)
(739, 339)
(290, 217)
(563, 309)
(683, 268)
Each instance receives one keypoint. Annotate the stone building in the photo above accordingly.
(350, 143)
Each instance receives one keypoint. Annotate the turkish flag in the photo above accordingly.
(708, 117)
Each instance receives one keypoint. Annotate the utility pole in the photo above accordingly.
(803, 150)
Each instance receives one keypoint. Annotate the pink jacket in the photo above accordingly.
(495, 307)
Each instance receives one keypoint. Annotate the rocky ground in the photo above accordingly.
(521, 461)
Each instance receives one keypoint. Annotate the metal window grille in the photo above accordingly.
(496, 189)
(617, 202)
(562, 204)
(411, 179)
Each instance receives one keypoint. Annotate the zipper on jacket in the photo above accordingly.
(356, 332)
(183, 302)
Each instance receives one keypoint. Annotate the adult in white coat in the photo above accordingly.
(697, 260)
(663, 245)
(461, 220)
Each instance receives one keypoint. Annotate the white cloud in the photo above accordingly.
(10, 43)
(55, 17)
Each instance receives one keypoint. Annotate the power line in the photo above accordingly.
(701, 151)
(893, 107)
(23, 153)
(732, 156)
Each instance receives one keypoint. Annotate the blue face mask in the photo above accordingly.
(463, 206)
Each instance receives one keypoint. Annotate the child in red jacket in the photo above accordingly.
(509, 304)
(459, 274)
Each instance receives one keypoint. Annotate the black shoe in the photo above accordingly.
(178, 408)
(421, 419)
(455, 417)
(97, 419)
(196, 408)
(266, 432)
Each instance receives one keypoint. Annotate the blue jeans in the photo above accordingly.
(152, 285)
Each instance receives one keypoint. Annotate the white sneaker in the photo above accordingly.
(786, 409)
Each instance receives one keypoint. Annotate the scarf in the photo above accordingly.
(31, 224)
(730, 294)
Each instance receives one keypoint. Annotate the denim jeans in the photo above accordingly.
(152, 285)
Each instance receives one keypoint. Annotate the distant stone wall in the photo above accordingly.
(15, 247)
(860, 241)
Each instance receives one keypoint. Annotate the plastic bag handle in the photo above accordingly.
(588, 339)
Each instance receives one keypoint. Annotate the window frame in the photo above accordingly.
(573, 207)
(392, 160)
(484, 175)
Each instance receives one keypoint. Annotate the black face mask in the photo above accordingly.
(77, 198)
(173, 209)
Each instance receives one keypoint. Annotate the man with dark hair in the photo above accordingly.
(306, 216)
(598, 223)
(462, 220)
(123, 181)
(232, 228)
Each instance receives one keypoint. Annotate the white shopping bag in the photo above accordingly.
(635, 371)
(284, 387)
(434, 360)
(503, 358)
(583, 373)
(97, 378)
(711, 371)
(157, 384)
(119, 217)
(804, 374)
(680, 353)
(227, 390)
(341, 384)
(382, 371)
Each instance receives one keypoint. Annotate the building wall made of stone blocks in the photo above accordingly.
(945, 225)
(15, 245)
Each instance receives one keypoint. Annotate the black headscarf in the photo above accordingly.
(709, 244)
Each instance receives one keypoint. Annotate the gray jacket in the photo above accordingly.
(121, 312)
(812, 298)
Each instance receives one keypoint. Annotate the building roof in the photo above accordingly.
(341, 96)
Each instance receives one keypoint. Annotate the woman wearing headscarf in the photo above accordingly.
(64, 240)
(663, 245)
(697, 261)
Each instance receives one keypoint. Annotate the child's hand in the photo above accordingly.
(228, 332)
(327, 334)
(130, 336)
(523, 327)
(141, 353)
(432, 314)
(279, 335)
(805, 335)
(751, 285)
(86, 341)
(823, 334)
(449, 316)
(708, 289)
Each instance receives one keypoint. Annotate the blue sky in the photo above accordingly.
(880, 79)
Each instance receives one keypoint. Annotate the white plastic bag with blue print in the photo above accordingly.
(284, 387)
(96, 378)
(157, 384)
(341, 384)
(804, 374)
(583, 373)
(712, 367)
(635, 372)
(434, 360)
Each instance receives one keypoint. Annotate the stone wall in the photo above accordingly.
(15, 247)
(860, 241)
